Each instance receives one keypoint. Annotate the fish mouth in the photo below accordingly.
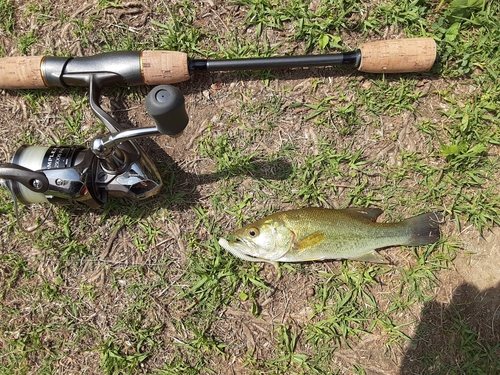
(237, 248)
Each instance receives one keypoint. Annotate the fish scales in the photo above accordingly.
(347, 235)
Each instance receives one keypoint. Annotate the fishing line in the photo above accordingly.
(8, 185)
(103, 261)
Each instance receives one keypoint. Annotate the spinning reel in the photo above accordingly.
(113, 165)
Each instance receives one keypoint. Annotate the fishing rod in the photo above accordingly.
(166, 67)
(114, 165)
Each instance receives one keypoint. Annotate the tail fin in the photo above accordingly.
(424, 228)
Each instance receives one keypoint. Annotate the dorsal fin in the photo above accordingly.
(367, 213)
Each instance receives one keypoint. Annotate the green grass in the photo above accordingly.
(7, 16)
(165, 298)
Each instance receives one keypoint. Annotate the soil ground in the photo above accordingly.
(472, 283)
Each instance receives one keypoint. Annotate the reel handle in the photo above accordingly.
(165, 104)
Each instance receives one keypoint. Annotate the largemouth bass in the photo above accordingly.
(311, 234)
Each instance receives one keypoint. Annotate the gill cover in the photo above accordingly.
(267, 239)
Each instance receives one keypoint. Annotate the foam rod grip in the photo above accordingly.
(398, 56)
(23, 72)
(164, 67)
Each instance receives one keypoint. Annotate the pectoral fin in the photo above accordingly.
(372, 257)
(309, 241)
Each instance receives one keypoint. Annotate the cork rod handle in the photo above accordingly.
(398, 56)
(164, 67)
(156, 68)
(23, 72)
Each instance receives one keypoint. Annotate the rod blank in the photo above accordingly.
(282, 62)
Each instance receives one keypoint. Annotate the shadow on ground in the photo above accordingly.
(460, 337)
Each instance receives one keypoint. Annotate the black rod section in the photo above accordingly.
(281, 62)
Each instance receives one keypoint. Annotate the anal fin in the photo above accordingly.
(372, 257)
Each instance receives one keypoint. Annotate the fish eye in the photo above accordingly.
(253, 232)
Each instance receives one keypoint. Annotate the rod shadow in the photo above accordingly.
(203, 80)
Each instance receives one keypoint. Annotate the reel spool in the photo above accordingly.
(38, 158)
